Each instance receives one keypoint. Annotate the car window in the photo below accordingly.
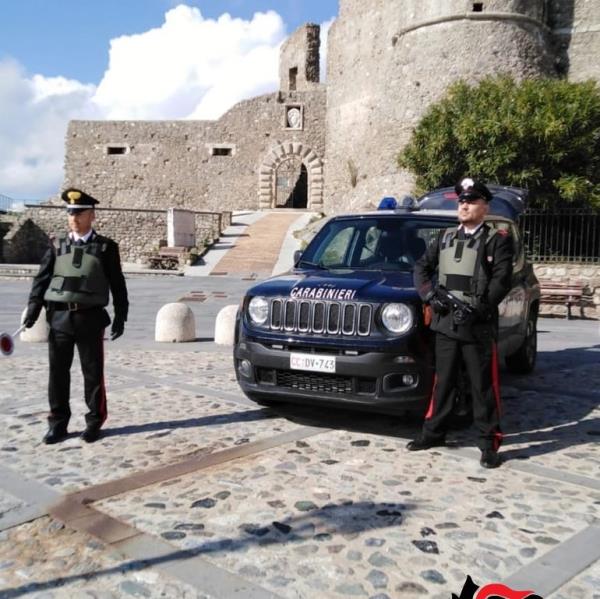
(372, 244)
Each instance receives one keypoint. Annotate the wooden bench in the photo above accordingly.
(167, 258)
(568, 293)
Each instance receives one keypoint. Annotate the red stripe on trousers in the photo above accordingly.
(429, 413)
(496, 387)
(103, 407)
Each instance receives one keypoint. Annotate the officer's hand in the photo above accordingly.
(33, 311)
(436, 303)
(117, 328)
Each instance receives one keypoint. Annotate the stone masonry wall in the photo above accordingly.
(184, 164)
(300, 52)
(386, 66)
(137, 232)
(588, 274)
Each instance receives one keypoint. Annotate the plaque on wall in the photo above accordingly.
(293, 117)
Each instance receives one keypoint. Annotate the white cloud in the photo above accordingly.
(189, 67)
(34, 113)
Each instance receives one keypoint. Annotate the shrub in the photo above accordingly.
(542, 134)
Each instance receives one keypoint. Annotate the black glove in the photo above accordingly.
(436, 303)
(33, 311)
(117, 328)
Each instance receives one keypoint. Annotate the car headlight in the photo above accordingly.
(397, 318)
(258, 310)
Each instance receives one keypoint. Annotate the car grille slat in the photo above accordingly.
(320, 317)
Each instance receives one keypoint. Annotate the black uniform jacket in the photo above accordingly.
(92, 319)
(496, 265)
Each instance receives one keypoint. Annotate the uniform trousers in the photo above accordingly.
(90, 347)
(481, 363)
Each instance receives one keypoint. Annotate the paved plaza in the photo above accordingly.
(194, 491)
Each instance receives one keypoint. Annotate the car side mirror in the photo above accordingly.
(297, 256)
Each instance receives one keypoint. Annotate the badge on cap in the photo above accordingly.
(73, 196)
(467, 183)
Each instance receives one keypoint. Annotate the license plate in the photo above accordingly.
(312, 363)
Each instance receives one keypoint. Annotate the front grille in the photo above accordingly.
(316, 381)
(327, 318)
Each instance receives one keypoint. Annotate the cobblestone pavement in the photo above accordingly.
(194, 491)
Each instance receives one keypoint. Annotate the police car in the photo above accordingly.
(346, 326)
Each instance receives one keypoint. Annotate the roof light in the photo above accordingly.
(388, 203)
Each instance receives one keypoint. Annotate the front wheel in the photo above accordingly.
(523, 360)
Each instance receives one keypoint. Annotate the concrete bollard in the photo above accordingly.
(225, 325)
(175, 323)
(38, 333)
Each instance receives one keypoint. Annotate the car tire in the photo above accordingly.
(523, 360)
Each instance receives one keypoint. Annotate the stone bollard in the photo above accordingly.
(38, 333)
(225, 325)
(175, 323)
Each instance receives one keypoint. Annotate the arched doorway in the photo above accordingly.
(304, 185)
(291, 184)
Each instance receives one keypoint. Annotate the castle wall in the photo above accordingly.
(300, 53)
(138, 232)
(199, 165)
(576, 30)
(387, 63)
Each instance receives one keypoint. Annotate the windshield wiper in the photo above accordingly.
(312, 264)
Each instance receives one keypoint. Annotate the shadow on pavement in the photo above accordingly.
(347, 518)
(170, 425)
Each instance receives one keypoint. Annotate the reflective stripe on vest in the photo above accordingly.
(78, 275)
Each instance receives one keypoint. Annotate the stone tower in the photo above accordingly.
(388, 61)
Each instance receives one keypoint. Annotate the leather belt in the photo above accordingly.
(71, 306)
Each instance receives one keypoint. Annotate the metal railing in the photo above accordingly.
(565, 235)
(11, 205)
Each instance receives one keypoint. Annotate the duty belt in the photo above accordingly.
(71, 306)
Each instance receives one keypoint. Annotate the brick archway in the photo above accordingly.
(278, 154)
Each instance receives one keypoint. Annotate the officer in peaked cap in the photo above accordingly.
(474, 263)
(74, 281)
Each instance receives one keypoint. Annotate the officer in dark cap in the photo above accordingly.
(474, 263)
(75, 278)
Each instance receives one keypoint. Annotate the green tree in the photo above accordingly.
(542, 134)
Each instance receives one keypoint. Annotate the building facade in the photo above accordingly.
(333, 147)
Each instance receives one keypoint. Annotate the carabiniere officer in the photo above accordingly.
(474, 263)
(75, 277)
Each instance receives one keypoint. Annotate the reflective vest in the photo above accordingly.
(460, 261)
(78, 275)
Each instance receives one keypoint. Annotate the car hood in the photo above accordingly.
(340, 285)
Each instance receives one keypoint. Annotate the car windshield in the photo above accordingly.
(376, 243)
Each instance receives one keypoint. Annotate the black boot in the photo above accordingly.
(55, 434)
(91, 434)
(490, 458)
(421, 443)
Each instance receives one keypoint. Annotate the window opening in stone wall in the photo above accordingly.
(111, 150)
(293, 78)
(222, 151)
(477, 6)
(291, 187)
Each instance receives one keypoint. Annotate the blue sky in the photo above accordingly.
(102, 59)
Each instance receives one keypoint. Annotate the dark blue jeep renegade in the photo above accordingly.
(346, 325)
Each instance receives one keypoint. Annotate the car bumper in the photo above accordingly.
(375, 381)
